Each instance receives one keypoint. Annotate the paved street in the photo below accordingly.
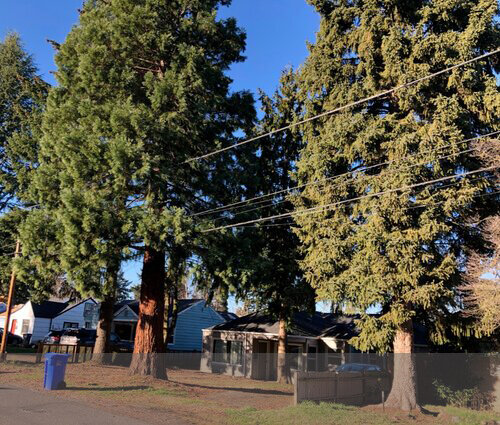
(25, 407)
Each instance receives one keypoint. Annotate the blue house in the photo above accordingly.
(193, 316)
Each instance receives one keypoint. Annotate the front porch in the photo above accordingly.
(255, 355)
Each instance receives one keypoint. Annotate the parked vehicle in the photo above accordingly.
(78, 337)
(88, 337)
(53, 337)
(12, 339)
(358, 367)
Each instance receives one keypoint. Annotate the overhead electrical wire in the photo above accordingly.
(248, 202)
(341, 108)
(291, 223)
(321, 208)
(363, 176)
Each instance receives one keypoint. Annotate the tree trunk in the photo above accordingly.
(102, 352)
(283, 375)
(403, 393)
(149, 349)
(171, 310)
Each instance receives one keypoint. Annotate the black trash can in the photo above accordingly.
(26, 340)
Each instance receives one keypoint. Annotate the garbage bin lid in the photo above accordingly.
(50, 356)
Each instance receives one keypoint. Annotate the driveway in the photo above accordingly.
(25, 407)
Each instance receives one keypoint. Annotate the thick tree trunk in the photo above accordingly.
(283, 375)
(403, 394)
(102, 352)
(149, 349)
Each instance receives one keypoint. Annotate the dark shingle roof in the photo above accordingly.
(133, 304)
(227, 316)
(323, 325)
(48, 309)
(304, 324)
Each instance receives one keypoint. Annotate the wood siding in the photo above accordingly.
(189, 326)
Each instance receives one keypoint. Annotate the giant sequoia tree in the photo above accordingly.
(141, 89)
(402, 251)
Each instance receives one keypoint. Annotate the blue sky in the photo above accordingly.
(277, 32)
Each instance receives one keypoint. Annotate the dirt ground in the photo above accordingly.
(192, 396)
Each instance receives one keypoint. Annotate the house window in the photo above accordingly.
(295, 352)
(230, 352)
(311, 359)
(170, 338)
(70, 325)
(334, 358)
(26, 326)
(88, 309)
(88, 325)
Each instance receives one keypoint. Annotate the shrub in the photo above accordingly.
(470, 398)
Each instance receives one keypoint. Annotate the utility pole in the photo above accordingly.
(10, 300)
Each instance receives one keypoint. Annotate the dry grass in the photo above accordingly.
(196, 398)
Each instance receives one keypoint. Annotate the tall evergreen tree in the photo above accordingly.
(260, 264)
(22, 100)
(402, 251)
(278, 284)
(141, 89)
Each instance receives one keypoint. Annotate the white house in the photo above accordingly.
(39, 319)
(34, 319)
(79, 315)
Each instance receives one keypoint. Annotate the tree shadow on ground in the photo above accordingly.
(104, 389)
(243, 390)
(428, 412)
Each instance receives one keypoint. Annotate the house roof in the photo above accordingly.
(14, 309)
(227, 316)
(72, 306)
(320, 325)
(316, 325)
(134, 305)
(48, 309)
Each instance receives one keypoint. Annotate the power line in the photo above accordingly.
(327, 206)
(244, 203)
(341, 108)
(364, 176)
(291, 223)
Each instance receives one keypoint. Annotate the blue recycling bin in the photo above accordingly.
(55, 368)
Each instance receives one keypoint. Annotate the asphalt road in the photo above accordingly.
(25, 407)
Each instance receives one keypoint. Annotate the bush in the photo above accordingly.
(469, 398)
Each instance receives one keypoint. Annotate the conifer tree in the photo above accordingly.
(277, 284)
(260, 264)
(141, 90)
(401, 252)
(22, 100)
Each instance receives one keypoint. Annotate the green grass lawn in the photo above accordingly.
(337, 414)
